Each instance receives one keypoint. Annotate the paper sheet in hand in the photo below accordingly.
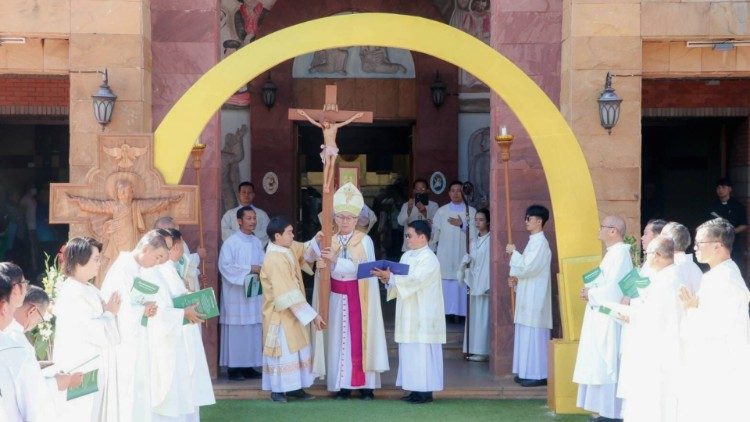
(363, 270)
(88, 385)
(143, 291)
(206, 300)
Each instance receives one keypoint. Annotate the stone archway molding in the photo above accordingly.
(568, 178)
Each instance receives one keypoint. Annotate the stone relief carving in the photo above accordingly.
(479, 166)
(375, 60)
(232, 154)
(332, 61)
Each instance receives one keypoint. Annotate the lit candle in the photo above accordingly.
(504, 131)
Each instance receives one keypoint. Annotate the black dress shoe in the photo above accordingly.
(518, 379)
(300, 394)
(533, 383)
(421, 398)
(278, 398)
(603, 419)
(235, 374)
(343, 394)
(250, 373)
(407, 397)
(366, 394)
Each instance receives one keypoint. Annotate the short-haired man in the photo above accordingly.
(245, 197)
(734, 212)
(715, 332)
(420, 321)
(690, 272)
(287, 361)
(596, 369)
(416, 208)
(652, 229)
(241, 322)
(530, 275)
(450, 226)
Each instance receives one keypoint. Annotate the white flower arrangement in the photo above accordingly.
(43, 335)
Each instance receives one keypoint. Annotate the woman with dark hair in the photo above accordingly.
(86, 331)
(475, 273)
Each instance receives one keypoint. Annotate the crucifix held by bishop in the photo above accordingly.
(329, 119)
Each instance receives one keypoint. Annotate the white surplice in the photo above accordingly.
(533, 317)
(650, 363)
(24, 396)
(405, 217)
(690, 273)
(229, 224)
(716, 341)
(597, 362)
(132, 352)
(176, 393)
(84, 330)
(477, 279)
(420, 321)
(449, 243)
(241, 320)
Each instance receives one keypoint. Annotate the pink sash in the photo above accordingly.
(350, 289)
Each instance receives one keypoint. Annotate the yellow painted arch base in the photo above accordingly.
(568, 178)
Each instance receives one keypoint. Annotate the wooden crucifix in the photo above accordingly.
(329, 119)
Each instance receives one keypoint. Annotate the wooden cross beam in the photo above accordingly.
(329, 113)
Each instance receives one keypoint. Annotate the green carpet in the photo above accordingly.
(383, 410)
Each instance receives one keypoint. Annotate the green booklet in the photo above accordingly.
(143, 291)
(252, 285)
(206, 300)
(591, 276)
(88, 385)
(633, 281)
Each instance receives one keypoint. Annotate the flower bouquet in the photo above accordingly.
(42, 336)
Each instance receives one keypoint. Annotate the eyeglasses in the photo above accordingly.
(607, 227)
(697, 244)
(345, 218)
(39, 313)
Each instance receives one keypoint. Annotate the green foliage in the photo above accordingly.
(635, 249)
(42, 336)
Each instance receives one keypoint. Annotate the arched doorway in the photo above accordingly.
(568, 178)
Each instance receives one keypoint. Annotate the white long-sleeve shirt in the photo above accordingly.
(534, 289)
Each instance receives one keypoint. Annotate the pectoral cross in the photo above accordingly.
(329, 119)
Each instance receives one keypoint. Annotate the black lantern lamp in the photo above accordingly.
(609, 105)
(438, 90)
(268, 92)
(104, 101)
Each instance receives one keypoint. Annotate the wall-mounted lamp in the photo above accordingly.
(438, 90)
(609, 105)
(104, 101)
(268, 92)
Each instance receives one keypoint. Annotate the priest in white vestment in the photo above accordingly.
(716, 333)
(132, 352)
(229, 223)
(530, 274)
(475, 273)
(188, 265)
(356, 351)
(690, 272)
(420, 320)
(449, 230)
(415, 208)
(287, 360)
(241, 322)
(176, 393)
(597, 362)
(651, 362)
(24, 396)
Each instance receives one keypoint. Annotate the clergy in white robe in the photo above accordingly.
(23, 393)
(415, 210)
(476, 276)
(650, 363)
(241, 322)
(716, 333)
(690, 272)
(188, 265)
(597, 362)
(449, 230)
(132, 353)
(356, 351)
(420, 321)
(229, 223)
(287, 360)
(179, 378)
(531, 276)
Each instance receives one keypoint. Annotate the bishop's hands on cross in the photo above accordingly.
(329, 147)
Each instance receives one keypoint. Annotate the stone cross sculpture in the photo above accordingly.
(329, 119)
(121, 198)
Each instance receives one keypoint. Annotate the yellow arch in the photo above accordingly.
(568, 177)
